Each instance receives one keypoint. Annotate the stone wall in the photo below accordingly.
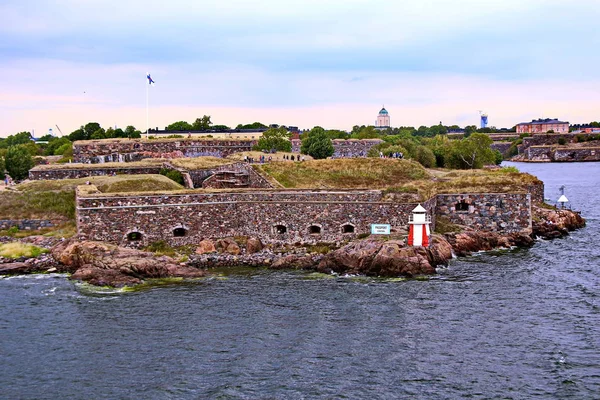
(502, 147)
(345, 148)
(43, 173)
(305, 216)
(26, 224)
(546, 139)
(278, 216)
(107, 150)
(497, 212)
(255, 180)
(559, 154)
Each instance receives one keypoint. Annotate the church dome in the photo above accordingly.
(383, 111)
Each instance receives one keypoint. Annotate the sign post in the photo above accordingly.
(381, 229)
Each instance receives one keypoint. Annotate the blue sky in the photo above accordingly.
(331, 63)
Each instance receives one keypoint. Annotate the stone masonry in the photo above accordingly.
(277, 216)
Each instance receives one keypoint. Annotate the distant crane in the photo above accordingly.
(61, 134)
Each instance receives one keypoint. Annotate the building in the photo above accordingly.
(383, 119)
(543, 126)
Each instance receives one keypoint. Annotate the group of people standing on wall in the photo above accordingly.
(262, 159)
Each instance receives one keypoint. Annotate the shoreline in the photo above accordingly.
(104, 264)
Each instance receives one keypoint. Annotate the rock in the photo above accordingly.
(253, 245)
(228, 245)
(293, 261)
(391, 258)
(15, 268)
(109, 265)
(353, 258)
(551, 223)
(468, 242)
(205, 246)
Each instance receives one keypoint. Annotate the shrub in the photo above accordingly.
(562, 141)
(173, 175)
(580, 138)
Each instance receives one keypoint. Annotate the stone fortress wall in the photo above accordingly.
(120, 150)
(279, 216)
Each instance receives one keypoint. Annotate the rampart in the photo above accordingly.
(45, 173)
(345, 148)
(278, 216)
(560, 154)
(506, 212)
(119, 150)
(26, 224)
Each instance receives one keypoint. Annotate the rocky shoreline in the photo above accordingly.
(104, 264)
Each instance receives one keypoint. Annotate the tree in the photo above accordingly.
(16, 139)
(425, 157)
(179, 126)
(472, 152)
(254, 125)
(98, 134)
(469, 129)
(54, 144)
(18, 162)
(275, 139)
(132, 133)
(202, 124)
(220, 128)
(317, 144)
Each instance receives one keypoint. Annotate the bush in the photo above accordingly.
(63, 148)
(18, 162)
(580, 138)
(562, 141)
(173, 175)
(425, 157)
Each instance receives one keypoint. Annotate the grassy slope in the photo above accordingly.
(359, 173)
(56, 199)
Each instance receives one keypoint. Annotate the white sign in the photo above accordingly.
(380, 229)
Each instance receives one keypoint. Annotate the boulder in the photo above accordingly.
(205, 246)
(294, 261)
(549, 223)
(253, 245)
(228, 245)
(353, 258)
(109, 265)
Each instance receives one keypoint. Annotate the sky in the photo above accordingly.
(332, 63)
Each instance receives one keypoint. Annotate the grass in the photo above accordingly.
(199, 162)
(358, 173)
(65, 230)
(18, 249)
(150, 162)
(37, 205)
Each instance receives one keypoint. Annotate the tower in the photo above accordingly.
(419, 231)
(484, 120)
(383, 119)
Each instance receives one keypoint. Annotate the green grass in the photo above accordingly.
(18, 249)
(359, 173)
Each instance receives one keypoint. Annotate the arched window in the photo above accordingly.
(179, 232)
(134, 236)
(462, 206)
(314, 230)
(280, 229)
(347, 228)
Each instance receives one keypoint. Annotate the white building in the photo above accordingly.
(383, 119)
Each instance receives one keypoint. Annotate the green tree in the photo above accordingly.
(18, 162)
(317, 144)
(132, 133)
(54, 144)
(98, 134)
(220, 128)
(472, 152)
(336, 134)
(16, 139)
(202, 124)
(275, 139)
(179, 126)
(254, 125)
(469, 129)
(425, 156)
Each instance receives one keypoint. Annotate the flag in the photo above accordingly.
(150, 81)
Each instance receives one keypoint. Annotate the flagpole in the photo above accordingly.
(147, 114)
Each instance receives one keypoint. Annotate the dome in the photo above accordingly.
(383, 111)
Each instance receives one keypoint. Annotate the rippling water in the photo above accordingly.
(512, 325)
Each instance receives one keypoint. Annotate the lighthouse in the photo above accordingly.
(418, 233)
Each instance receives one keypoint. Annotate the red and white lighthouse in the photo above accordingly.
(419, 232)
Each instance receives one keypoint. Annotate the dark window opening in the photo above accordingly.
(134, 236)
(348, 228)
(280, 229)
(179, 232)
(314, 230)
(462, 206)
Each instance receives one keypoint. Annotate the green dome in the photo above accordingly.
(383, 111)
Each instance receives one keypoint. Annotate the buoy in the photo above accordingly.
(419, 231)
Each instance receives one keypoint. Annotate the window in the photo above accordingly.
(314, 230)
(134, 236)
(280, 229)
(348, 228)
(462, 206)
(179, 232)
